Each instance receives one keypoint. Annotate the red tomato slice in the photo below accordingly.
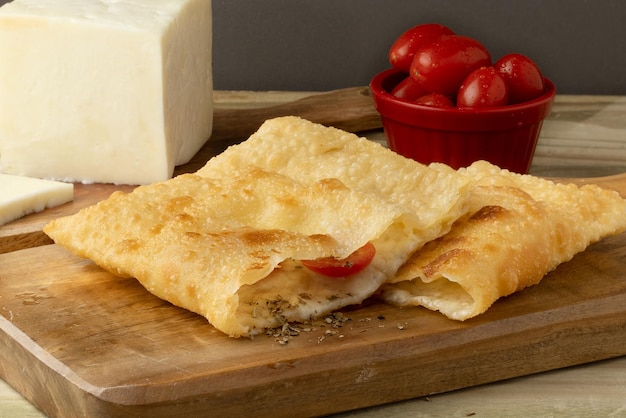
(484, 87)
(522, 76)
(441, 66)
(403, 49)
(333, 267)
(435, 100)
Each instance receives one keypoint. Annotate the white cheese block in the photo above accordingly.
(104, 91)
(20, 196)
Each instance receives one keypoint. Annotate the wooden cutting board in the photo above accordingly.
(78, 341)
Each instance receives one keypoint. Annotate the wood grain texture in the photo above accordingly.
(351, 109)
(584, 131)
(590, 390)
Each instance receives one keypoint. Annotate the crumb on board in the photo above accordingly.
(284, 333)
(333, 322)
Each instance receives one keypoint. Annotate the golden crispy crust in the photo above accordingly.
(226, 242)
(198, 242)
(308, 152)
(518, 229)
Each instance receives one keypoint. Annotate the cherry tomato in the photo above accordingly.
(484, 87)
(408, 89)
(441, 66)
(333, 267)
(403, 49)
(522, 76)
(435, 100)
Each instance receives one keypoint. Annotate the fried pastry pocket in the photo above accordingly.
(518, 228)
(230, 248)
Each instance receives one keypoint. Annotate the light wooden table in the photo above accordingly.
(585, 136)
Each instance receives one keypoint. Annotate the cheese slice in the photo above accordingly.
(104, 91)
(20, 196)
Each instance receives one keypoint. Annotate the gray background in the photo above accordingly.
(329, 44)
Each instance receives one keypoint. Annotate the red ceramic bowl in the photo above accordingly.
(505, 136)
